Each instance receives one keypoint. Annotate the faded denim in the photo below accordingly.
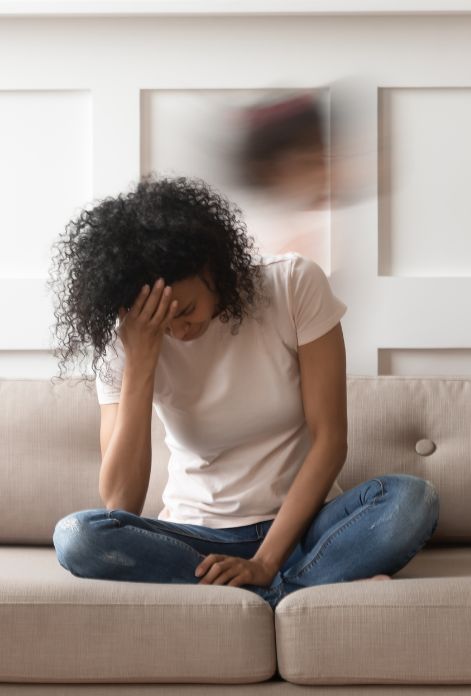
(375, 527)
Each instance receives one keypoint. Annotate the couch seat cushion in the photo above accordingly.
(412, 629)
(56, 627)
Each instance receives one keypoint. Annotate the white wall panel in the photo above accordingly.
(425, 222)
(45, 172)
(26, 314)
(116, 137)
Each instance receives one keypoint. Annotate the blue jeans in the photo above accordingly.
(375, 527)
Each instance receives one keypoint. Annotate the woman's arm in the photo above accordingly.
(324, 392)
(126, 462)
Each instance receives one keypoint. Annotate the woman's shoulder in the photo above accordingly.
(270, 259)
(281, 267)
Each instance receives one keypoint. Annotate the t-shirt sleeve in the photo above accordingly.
(315, 309)
(110, 393)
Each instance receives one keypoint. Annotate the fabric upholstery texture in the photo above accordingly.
(61, 633)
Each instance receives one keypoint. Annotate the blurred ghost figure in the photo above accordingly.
(293, 156)
(283, 150)
(276, 158)
(300, 144)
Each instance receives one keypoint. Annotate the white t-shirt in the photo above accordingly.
(231, 405)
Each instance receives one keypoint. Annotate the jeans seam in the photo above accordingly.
(329, 540)
(215, 541)
(382, 489)
(184, 533)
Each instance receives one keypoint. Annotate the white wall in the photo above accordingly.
(89, 103)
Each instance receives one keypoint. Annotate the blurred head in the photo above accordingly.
(283, 149)
(179, 229)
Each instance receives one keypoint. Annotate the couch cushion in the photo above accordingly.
(412, 629)
(389, 418)
(56, 627)
(50, 455)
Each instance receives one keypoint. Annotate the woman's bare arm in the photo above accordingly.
(127, 454)
(127, 458)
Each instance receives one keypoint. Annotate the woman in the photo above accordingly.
(254, 414)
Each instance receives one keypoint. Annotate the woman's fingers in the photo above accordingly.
(139, 301)
(153, 304)
(158, 298)
(163, 308)
(172, 310)
(121, 314)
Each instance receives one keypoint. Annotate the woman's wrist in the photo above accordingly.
(139, 376)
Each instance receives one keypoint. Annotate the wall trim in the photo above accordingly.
(135, 8)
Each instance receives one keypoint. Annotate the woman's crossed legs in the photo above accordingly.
(374, 528)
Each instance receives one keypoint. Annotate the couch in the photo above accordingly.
(60, 634)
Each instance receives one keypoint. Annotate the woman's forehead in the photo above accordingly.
(188, 288)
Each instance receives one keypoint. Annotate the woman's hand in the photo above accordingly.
(141, 329)
(235, 571)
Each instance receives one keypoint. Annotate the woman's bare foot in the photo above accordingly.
(375, 577)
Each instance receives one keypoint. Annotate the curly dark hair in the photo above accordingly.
(170, 228)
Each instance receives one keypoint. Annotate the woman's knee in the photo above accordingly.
(79, 523)
(417, 497)
(74, 534)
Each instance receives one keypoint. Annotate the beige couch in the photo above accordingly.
(60, 634)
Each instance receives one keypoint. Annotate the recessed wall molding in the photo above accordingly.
(425, 362)
(35, 364)
(423, 181)
(45, 172)
(229, 7)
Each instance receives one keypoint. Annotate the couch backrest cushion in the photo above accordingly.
(50, 449)
(50, 457)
